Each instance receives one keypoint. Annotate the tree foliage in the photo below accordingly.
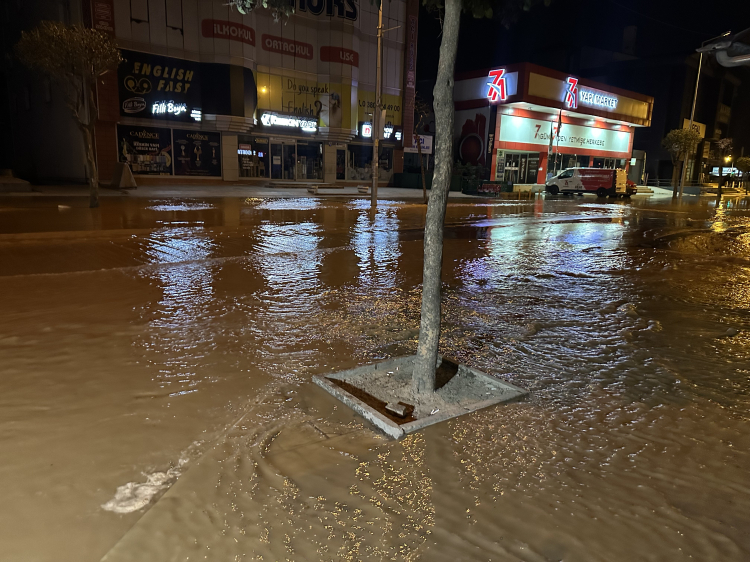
(680, 143)
(278, 8)
(743, 164)
(74, 57)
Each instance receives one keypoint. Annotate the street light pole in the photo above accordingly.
(692, 110)
(377, 125)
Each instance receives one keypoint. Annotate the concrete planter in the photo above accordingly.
(462, 390)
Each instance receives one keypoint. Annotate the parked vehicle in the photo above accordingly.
(600, 181)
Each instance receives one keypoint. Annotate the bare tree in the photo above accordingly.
(423, 377)
(680, 143)
(74, 57)
(725, 148)
(743, 165)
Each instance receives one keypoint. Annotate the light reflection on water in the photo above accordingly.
(628, 323)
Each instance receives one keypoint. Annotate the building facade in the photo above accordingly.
(207, 92)
(523, 122)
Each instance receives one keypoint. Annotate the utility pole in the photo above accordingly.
(377, 126)
(692, 111)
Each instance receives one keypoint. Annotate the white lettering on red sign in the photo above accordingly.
(228, 30)
(298, 49)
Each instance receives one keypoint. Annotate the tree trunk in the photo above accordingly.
(421, 167)
(721, 177)
(88, 143)
(675, 187)
(423, 379)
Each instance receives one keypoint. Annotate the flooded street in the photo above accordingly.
(157, 346)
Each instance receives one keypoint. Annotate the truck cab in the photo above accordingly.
(602, 182)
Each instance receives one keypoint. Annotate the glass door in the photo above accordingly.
(283, 160)
(289, 158)
(276, 166)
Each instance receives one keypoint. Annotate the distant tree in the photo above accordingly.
(449, 12)
(74, 57)
(422, 112)
(680, 143)
(743, 165)
(724, 146)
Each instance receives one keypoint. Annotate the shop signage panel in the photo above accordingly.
(347, 9)
(426, 142)
(298, 49)
(151, 86)
(699, 128)
(223, 29)
(340, 55)
(497, 87)
(535, 131)
(103, 16)
(197, 153)
(148, 150)
(269, 119)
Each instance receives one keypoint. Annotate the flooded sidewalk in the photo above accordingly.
(156, 402)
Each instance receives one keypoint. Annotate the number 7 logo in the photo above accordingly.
(497, 90)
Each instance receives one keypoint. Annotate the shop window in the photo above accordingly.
(359, 163)
(253, 156)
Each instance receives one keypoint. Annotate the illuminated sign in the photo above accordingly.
(271, 119)
(571, 93)
(497, 87)
(170, 107)
(587, 97)
(387, 131)
(398, 135)
(367, 130)
(196, 114)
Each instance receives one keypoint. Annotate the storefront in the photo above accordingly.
(522, 123)
(256, 99)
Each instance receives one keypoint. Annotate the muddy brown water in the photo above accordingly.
(158, 343)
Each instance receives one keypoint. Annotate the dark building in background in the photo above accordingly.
(646, 47)
(40, 138)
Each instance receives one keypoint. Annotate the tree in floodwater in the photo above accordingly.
(74, 57)
(422, 112)
(449, 11)
(724, 147)
(680, 143)
(743, 165)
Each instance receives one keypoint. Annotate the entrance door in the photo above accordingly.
(340, 164)
(283, 160)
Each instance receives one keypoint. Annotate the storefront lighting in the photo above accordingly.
(387, 131)
(367, 130)
(273, 120)
(587, 97)
(170, 107)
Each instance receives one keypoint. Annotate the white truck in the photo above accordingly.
(601, 181)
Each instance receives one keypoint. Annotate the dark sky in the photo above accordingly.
(664, 27)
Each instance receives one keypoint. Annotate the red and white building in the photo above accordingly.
(524, 121)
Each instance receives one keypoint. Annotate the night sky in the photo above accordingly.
(664, 27)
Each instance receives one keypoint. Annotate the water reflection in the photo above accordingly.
(177, 337)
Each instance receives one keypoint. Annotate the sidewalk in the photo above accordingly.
(220, 190)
